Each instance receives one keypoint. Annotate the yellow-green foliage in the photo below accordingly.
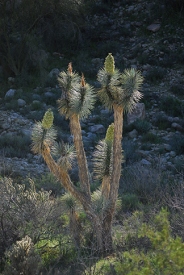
(164, 257)
(49, 250)
(109, 64)
(110, 133)
(47, 121)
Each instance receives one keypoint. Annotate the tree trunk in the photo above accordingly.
(101, 228)
(106, 187)
(107, 232)
(81, 156)
(117, 153)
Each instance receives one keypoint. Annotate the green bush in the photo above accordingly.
(130, 202)
(15, 145)
(142, 126)
(172, 106)
(164, 256)
(156, 74)
(150, 137)
(177, 144)
(161, 122)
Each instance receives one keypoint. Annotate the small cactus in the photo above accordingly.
(109, 64)
(47, 121)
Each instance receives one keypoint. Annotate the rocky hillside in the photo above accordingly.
(140, 34)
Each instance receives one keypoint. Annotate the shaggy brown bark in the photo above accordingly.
(81, 156)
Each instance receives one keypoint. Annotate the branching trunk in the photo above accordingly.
(64, 178)
(81, 156)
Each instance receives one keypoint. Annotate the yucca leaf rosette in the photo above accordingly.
(82, 99)
(102, 157)
(67, 81)
(131, 81)
(43, 133)
(109, 79)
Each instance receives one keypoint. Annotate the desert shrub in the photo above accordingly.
(53, 251)
(23, 211)
(172, 106)
(129, 151)
(161, 121)
(21, 258)
(150, 137)
(175, 202)
(130, 202)
(15, 145)
(177, 144)
(49, 183)
(155, 74)
(142, 126)
(145, 182)
(177, 89)
(164, 255)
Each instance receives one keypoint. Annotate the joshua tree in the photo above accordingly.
(118, 92)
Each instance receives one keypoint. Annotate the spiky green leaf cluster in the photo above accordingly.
(77, 96)
(102, 160)
(67, 81)
(109, 64)
(131, 81)
(65, 154)
(82, 100)
(41, 136)
(102, 157)
(110, 87)
(48, 119)
(121, 89)
(68, 202)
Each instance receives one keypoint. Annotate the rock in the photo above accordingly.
(49, 95)
(54, 73)
(99, 129)
(154, 27)
(177, 127)
(36, 97)
(21, 102)
(91, 136)
(137, 113)
(5, 126)
(167, 147)
(145, 162)
(172, 154)
(133, 133)
(10, 94)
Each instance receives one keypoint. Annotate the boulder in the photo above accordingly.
(21, 102)
(10, 94)
(98, 128)
(54, 73)
(137, 113)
